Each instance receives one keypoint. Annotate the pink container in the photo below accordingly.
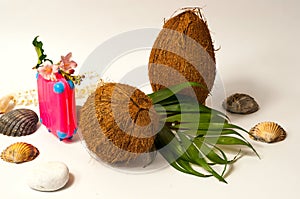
(57, 106)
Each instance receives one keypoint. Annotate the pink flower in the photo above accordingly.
(48, 70)
(66, 64)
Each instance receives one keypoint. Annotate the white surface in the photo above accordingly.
(259, 56)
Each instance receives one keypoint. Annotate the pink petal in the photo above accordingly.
(48, 71)
(53, 77)
(55, 68)
(73, 64)
(67, 57)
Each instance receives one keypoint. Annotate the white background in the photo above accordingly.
(259, 56)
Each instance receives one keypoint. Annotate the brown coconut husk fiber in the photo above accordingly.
(118, 124)
(183, 51)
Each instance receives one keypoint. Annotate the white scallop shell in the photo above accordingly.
(267, 132)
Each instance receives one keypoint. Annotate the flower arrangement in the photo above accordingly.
(49, 71)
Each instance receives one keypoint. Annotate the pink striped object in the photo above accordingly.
(57, 106)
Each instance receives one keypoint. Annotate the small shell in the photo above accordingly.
(267, 132)
(7, 103)
(18, 122)
(240, 103)
(19, 152)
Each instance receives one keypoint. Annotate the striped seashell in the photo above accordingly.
(19, 152)
(18, 122)
(267, 132)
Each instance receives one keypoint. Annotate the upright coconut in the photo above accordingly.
(183, 52)
(118, 125)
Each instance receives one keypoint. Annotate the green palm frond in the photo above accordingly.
(193, 134)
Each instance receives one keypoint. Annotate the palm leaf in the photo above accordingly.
(192, 133)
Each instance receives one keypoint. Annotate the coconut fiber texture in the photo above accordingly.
(182, 52)
(118, 124)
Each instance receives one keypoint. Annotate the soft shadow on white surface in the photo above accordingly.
(259, 56)
(69, 183)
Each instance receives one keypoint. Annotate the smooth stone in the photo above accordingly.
(48, 176)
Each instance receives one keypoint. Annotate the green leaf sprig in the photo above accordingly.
(38, 45)
(193, 134)
(42, 57)
(74, 78)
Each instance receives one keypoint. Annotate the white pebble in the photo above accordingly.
(48, 176)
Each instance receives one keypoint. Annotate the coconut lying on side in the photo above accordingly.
(118, 124)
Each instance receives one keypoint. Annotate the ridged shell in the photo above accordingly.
(267, 132)
(240, 103)
(18, 122)
(19, 152)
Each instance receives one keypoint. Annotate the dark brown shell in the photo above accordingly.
(118, 124)
(19, 152)
(18, 122)
(240, 103)
(183, 52)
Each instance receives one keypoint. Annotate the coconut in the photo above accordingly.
(118, 125)
(182, 52)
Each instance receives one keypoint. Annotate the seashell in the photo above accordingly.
(19, 152)
(267, 132)
(240, 103)
(18, 122)
(7, 103)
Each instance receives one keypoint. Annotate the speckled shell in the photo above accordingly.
(18, 122)
(240, 103)
(267, 132)
(19, 152)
